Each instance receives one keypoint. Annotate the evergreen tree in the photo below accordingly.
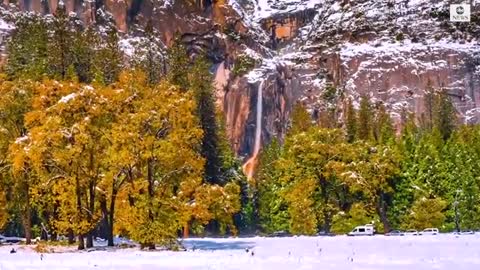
(61, 43)
(84, 52)
(445, 115)
(108, 62)
(149, 55)
(272, 209)
(328, 116)
(301, 120)
(28, 48)
(427, 117)
(350, 121)
(383, 127)
(201, 83)
(365, 119)
(178, 65)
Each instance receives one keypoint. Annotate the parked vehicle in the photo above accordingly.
(464, 233)
(280, 234)
(411, 232)
(362, 230)
(395, 233)
(429, 231)
(11, 239)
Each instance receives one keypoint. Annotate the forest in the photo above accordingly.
(93, 145)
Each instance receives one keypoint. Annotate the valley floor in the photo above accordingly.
(336, 253)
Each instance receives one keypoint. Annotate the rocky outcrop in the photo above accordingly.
(388, 50)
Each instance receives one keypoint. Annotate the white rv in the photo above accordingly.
(362, 230)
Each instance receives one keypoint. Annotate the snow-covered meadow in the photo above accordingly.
(340, 253)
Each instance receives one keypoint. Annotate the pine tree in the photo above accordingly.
(427, 118)
(149, 55)
(178, 65)
(28, 48)
(272, 209)
(108, 60)
(301, 120)
(201, 83)
(383, 126)
(61, 43)
(84, 52)
(350, 121)
(328, 116)
(365, 119)
(444, 115)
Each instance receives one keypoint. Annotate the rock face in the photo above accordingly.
(390, 50)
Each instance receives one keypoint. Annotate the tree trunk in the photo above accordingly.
(81, 242)
(326, 212)
(78, 193)
(185, 230)
(27, 217)
(27, 225)
(71, 237)
(111, 218)
(382, 212)
(91, 202)
(90, 240)
(53, 236)
(151, 191)
(91, 208)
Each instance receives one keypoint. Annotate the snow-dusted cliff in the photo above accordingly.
(387, 49)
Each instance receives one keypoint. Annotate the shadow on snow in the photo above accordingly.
(214, 245)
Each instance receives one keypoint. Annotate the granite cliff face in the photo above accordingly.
(390, 50)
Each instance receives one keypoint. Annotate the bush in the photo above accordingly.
(42, 247)
(344, 222)
(243, 64)
(399, 37)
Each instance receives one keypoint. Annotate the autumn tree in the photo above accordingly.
(312, 167)
(15, 102)
(65, 143)
(374, 172)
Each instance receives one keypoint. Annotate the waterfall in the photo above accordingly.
(258, 127)
(249, 166)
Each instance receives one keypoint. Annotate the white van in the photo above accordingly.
(362, 230)
(429, 231)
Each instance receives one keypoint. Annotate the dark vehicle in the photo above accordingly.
(280, 234)
(395, 233)
(10, 239)
(464, 233)
(322, 233)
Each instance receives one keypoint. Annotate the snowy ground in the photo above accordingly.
(336, 253)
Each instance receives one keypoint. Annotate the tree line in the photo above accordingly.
(352, 168)
(95, 143)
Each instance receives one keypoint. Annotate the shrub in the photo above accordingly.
(243, 64)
